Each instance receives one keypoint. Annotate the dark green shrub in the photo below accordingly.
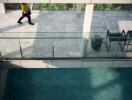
(96, 42)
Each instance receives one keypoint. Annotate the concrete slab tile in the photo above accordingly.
(90, 64)
(66, 64)
(122, 64)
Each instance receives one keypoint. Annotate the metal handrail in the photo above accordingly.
(40, 37)
(73, 58)
(53, 32)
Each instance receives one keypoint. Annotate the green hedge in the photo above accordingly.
(44, 6)
(73, 7)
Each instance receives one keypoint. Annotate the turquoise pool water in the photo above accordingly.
(69, 84)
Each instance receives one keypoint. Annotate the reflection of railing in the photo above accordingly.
(57, 47)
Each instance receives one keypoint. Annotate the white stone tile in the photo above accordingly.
(66, 64)
(35, 63)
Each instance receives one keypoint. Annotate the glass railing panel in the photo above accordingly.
(36, 48)
(9, 48)
(67, 47)
(117, 48)
(60, 45)
(51, 44)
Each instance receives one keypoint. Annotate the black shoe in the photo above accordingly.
(19, 22)
(31, 23)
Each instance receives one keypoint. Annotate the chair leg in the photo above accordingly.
(120, 46)
(127, 45)
(124, 45)
(109, 46)
(106, 46)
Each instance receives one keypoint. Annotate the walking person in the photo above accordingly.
(25, 13)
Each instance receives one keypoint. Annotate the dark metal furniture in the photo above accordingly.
(115, 37)
(129, 39)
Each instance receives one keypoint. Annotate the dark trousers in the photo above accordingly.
(26, 15)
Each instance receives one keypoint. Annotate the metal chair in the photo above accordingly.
(115, 37)
(129, 39)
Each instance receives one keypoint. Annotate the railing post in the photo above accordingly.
(20, 49)
(53, 51)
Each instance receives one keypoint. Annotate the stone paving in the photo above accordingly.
(62, 27)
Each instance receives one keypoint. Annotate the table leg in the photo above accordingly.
(127, 45)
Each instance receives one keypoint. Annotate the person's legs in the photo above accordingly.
(29, 19)
(20, 19)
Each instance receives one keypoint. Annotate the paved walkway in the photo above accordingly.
(66, 21)
(61, 25)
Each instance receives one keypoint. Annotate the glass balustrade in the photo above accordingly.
(63, 45)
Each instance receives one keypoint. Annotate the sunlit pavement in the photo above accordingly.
(60, 24)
